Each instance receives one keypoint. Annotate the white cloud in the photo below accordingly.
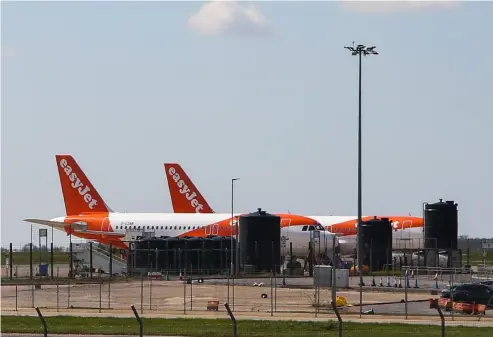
(397, 6)
(229, 18)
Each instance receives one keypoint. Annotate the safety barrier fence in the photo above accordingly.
(274, 296)
(334, 325)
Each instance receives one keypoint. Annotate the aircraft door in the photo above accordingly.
(105, 224)
(215, 229)
(406, 233)
(285, 239)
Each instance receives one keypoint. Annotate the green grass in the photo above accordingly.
(223, 327)
(22, 258)
(476, 258)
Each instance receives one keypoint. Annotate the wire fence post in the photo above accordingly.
(150, 291)
(405, 292)
(16, 294)
(68, 291)
(317, 296)
(32, 294)
(43, 322)
(233, 280)
(228, 287)
(141, 326)
(57, 289)
(271, 298)
(233, 319)
(442, 332)
(275, 289)
(191, 289)
(141, 294)
(339, 319)
(185, 295)
(100, 291)
(110, 276)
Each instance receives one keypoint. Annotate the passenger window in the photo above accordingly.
(188, 227)
(175, 227)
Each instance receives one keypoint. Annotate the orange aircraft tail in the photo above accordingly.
(79, 194)
(185, 197)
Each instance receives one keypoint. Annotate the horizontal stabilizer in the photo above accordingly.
(56, 224)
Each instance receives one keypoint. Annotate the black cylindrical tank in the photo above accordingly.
(441, 225)
(376, 243)
(260, 241)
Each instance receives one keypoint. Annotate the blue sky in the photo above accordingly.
(263, 91)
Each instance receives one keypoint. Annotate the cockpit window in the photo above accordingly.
(320, 227)
(311, 228)
(304, 228)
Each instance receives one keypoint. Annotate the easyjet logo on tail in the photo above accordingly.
(185, 190)
(78, 185)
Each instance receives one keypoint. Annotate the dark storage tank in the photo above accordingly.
(441, 225)
(376, 243)
(260, 241)
(174, 255)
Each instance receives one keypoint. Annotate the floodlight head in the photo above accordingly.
(354, 53)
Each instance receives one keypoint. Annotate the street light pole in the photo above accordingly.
(233, 223)
(360, 50)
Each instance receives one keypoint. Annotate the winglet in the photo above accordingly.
(185, 197)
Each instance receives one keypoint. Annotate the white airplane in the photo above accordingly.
(89, 217)
(407, 230)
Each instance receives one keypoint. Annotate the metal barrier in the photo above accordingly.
(433, 304)
(141, 326)
(339, 319)
(43, 322)
(233, 319)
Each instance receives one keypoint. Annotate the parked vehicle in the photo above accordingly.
(470, 293)
(446, 291)
(488, 283)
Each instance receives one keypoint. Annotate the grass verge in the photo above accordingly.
(223, 327)
(22, 258)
